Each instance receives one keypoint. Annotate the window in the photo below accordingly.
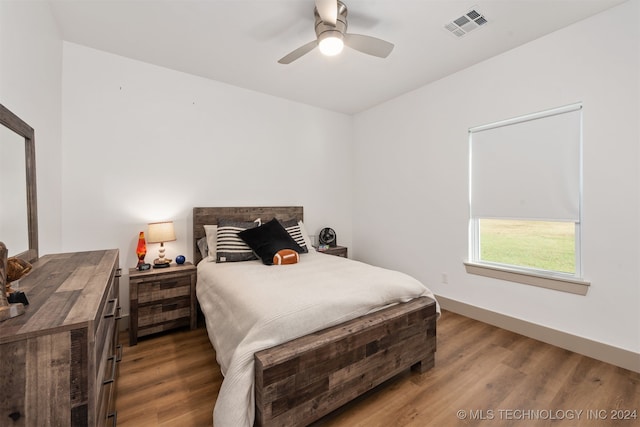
(525, 194)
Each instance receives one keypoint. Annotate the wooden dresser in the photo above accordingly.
(58, 361)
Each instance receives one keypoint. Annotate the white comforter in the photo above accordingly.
(249, 307)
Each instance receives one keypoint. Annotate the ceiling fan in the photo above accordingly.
(331, 34)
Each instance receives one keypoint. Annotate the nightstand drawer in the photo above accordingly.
(163, 312)
(166, 289)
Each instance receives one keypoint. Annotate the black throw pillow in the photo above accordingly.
(268, 239)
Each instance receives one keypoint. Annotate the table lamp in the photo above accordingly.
(160, 232)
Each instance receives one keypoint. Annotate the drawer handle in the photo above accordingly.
(113, 415)
(113, 370)
(115, 307)
(118, 272)
(119, 350)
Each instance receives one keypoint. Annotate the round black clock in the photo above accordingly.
(327, 237)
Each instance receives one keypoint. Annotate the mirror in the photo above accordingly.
(18, 206)
(14, 227)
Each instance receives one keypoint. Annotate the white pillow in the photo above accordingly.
(307, 239)
(212, 240)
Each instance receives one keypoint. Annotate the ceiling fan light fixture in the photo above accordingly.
(331, 35)
(331, 44)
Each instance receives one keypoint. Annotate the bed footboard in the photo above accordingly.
(302, 380)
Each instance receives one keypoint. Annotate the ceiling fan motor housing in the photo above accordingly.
(324, 30)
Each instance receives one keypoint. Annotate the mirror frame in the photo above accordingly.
(17, 125)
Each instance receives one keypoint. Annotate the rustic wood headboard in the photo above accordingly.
(210, 215)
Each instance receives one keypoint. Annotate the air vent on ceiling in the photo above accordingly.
(466, 23)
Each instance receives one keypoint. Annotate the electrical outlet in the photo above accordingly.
(445, 278)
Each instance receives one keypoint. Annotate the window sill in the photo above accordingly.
(574, 286)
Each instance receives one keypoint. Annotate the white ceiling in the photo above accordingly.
(240, 41)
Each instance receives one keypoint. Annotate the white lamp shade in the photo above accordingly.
(160, 232)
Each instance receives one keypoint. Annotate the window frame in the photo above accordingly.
(562, 281)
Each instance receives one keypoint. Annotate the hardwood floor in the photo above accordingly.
(168, 380)
(484, 376)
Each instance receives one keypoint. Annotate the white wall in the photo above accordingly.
(411, 175)
(30, 86)
(143, 143)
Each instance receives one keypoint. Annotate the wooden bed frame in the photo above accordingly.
(300, 381)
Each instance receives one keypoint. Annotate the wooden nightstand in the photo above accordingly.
(161, 299)
(335, 250)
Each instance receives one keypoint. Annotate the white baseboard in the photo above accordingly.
(597, 350)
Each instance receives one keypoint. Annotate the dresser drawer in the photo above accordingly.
(108, 353)
(106, 328)
(106, 403)
(106, 322)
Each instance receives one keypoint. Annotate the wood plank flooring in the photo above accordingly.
(484, 376)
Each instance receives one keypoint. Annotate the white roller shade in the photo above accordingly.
(528, 168)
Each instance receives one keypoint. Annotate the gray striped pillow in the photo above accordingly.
(293, 228)
(230, 247)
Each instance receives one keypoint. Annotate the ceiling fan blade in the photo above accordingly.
(328, 11)
(302, 50)
(369, 45)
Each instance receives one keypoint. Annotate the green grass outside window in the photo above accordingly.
(534, 244)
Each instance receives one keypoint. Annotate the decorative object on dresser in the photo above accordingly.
(161, 300)
(161, 232)
(141, 251)
(340, 251)
(11, 302)
(7, 310)
(60, 360)
(17, 268)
